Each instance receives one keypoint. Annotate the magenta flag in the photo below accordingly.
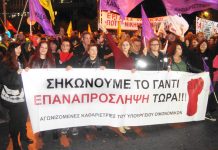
(123, 7)
(174, 7)
(147, 31)
(37, 14)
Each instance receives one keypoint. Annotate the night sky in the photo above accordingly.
(86, 13)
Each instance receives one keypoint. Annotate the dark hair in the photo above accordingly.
(154, 39)
(10, 57)
(212, 37)
(98, 36)
(173, 47)
(199, 45)
(92, 45)
(55, 42)
(49, 55)
(65, 40)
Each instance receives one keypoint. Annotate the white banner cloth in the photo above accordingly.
(57, 98)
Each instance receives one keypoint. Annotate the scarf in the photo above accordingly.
(65, 56)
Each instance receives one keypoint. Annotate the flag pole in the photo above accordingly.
(22, 16)
(215, 97)
(31, 28)
(4, 11)
(3, 25)
(99, 13)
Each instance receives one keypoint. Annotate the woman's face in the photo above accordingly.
(65, 47)
(18, 51)
(178, 50)
(125, 47)
(203, 47)
(43, 49)
(86, 39)
(171, 37)
(53, 46)
(194, 43)
(101, 39)
(211, 41)
(29, 48)
(93, 51)
(187, 43)
(136, 46)
(154, 46)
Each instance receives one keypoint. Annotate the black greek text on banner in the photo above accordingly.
(57, 98)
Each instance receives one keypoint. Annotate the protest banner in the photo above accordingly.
(110, 21)
(57, 98)
(208, 27)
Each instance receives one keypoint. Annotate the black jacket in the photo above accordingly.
(73, 62)
(152, 62)
(9, 77)
(80, 54)
(88, 63)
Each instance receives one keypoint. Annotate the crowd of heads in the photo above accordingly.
(39, 45)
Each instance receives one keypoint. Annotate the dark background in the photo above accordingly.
(83, 12)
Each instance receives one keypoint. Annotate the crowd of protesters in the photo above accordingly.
(101, 49)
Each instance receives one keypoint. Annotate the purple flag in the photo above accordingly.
(37, 14)
(123, 7)
(174, 7)
(207, 69)
(147, 31)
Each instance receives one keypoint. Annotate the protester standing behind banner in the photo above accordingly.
(136, 50)
(104, 52)
(152, 59)
(206, 60)
(66, 59)
(12, 94)
(201, 58)
(42, 58)
(121, 52)
(122, 58)
(93, 61)
(179, 62)
(80, 51)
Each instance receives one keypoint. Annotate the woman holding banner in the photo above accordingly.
(93, 61)
(43, 57)
(12, 94)
(66, 59)
(121, 57)
(152, 59)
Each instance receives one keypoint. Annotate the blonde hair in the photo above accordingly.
(124, 40)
